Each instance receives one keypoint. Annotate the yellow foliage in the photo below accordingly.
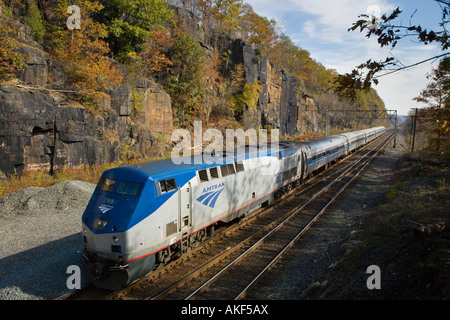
(249, 97)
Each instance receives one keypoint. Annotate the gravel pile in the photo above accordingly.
(40, 229)
(63, 197)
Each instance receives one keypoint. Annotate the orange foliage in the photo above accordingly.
(84, 57)
(155, 49)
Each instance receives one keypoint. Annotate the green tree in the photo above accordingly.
(130, 22)
(34, 20)
(186, 84)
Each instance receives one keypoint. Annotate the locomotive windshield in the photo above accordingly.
(106, 184)
(129, 188)
(125, 188)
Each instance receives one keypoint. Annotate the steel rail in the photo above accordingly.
(316, 195)
(306, 228)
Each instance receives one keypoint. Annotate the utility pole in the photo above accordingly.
(395, 137)
(414, 131)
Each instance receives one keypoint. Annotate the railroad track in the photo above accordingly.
(228, 265)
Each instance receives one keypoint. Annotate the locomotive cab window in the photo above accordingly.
(167, 185)
(106, 184)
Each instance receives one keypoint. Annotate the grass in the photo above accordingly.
(43, 180)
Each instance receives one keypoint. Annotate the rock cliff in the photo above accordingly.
(280, 105)
(40, 131)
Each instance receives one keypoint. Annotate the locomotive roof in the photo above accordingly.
(163, 168)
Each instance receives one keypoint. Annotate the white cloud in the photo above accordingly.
(321, 27)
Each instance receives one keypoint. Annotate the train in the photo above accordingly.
(143, 216)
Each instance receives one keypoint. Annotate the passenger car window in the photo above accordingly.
(227, 169)
(224, 170)
(106, 184)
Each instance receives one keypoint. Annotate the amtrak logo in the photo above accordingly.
(211, 194)
(105, 208)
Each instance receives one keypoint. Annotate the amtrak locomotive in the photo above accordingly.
(144, 215)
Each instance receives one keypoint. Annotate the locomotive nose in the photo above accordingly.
(114, 201)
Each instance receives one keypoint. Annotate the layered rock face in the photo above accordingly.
(39, 132)
(280, 106)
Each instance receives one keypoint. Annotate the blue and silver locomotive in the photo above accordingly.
(144, 215)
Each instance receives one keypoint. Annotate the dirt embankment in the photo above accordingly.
(413, 262)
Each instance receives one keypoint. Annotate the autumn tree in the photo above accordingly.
(228, 14)
(10, 60)
(219, 16)
(258, 31)
(435, 119)
(155, 54)
(83, 54)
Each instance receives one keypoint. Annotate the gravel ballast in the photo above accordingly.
(40, 229)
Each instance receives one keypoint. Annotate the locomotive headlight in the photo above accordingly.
(115, 239)
(99, 224)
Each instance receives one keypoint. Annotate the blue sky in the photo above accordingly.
(320, 26)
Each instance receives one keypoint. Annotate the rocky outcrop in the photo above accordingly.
(280, 106)
(36, 71)
(158, 112)
(308, 119)
(26, 129)
(36, 132)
